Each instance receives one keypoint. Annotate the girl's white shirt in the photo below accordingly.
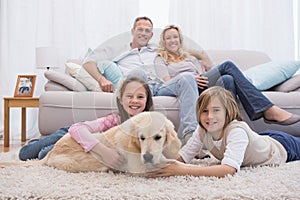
(237, 142)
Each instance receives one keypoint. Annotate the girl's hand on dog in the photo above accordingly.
(109, 156)
(171, 168)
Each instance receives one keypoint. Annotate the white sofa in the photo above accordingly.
(60, 106)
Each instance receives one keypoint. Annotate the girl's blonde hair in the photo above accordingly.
(163, 52)
(120, 92)
(227, 100)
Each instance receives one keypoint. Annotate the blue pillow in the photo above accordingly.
(269, 74)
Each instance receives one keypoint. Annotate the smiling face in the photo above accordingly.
(172, 40)
(212, 118)
(134, 98)
(142, 33)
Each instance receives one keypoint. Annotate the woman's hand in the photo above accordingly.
(202, 81)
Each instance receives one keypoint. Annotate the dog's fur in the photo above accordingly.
(144, 140)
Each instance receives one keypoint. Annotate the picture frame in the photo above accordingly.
(25, 86)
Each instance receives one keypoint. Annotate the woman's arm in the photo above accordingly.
(206, 62)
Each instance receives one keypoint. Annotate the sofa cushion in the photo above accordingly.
(291, 84)
(79, 73)
(267, 75)
(65, 80)
(109, 69)
(54, 86)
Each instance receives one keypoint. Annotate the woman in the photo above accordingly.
(173, 59)
(230, 140)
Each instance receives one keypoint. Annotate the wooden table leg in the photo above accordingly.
(23, 125)
(6, 123)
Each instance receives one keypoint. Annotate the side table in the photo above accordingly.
(22, 102)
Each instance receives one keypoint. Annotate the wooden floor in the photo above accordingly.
(14, 145)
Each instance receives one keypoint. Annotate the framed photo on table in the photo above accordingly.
(25, 86)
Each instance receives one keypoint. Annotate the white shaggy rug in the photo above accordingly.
(41, 182)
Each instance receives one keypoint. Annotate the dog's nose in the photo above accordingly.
(148, 157)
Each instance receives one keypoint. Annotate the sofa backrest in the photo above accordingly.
(244, 59)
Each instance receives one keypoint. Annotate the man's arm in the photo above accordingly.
(92, 69)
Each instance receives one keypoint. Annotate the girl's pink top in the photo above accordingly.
(82, 131)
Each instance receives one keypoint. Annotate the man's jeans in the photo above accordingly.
(231, 78)
(40, 148)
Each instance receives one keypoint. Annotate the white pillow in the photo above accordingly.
(65, 80)
(269, 74)
(78, 72)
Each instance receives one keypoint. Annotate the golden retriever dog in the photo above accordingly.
(144, 140)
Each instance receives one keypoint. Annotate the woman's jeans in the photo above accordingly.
(231, 78)
(39, 148)
(289, 142)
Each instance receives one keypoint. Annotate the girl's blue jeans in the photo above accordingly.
(39, 148)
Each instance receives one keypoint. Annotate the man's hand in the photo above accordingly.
(105, 85)
(92, 69)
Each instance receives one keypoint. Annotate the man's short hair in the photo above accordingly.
(142, 18)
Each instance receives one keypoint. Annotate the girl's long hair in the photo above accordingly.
(227, 100)
(120, 92)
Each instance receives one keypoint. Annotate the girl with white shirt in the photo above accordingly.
(222, 132)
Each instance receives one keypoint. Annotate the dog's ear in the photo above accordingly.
(130, 133)
(172, 142)
(134, 144)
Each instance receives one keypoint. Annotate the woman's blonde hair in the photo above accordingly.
(227, 100)
(163, 52)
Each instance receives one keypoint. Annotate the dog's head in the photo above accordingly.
(153, 136)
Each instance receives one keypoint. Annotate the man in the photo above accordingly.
(139, 54)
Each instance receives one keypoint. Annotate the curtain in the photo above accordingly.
(233, 24)
(72, 26)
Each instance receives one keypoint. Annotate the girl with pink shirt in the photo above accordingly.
(133, 97)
